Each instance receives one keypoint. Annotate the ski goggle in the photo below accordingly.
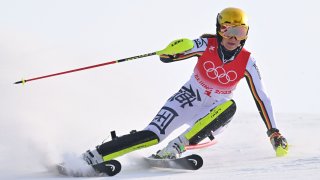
(229, 31)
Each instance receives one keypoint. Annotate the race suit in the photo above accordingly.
(211, 84)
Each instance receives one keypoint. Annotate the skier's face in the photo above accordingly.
(230, 43)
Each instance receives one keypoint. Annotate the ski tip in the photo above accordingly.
(196, 160)
(110, 168)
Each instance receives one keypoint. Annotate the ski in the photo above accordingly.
(109, 168)
(190, 162)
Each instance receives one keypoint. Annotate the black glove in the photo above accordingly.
(279, 143)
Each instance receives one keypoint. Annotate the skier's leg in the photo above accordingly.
(178, 110)
(213, 121)
(172, 115)
(127, 143)
(119, 146)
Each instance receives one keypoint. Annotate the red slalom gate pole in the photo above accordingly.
(87, 67)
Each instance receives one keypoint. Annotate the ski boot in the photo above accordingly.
(174, 149)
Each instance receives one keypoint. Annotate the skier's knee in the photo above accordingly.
(119, 146)
(215, 119)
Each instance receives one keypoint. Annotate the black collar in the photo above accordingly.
(226, 55)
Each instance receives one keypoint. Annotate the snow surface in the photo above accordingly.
(242, 152)
(46, 121)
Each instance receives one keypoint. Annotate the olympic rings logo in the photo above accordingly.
(219, 73)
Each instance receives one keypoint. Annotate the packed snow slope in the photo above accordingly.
(242, 152)
(45, 120)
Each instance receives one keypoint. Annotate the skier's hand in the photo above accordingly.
(279, 143)
(176, 47)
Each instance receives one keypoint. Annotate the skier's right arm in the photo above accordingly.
(199, 46)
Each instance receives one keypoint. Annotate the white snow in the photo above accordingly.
(242, 152)
(43, 120)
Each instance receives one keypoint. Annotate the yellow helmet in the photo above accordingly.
(233, 16)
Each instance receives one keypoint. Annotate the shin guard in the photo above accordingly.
(119, 146)
(216, 118)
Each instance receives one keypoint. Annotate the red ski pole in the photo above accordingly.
(87, 67)
(174, 47)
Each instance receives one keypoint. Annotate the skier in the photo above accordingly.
(205, 101)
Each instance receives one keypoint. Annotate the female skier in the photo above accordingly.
(204, 102)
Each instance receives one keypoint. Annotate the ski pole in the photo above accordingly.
(174, 47)
(87, 67)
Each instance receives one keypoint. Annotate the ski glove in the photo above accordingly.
(177, 46)
(279, 143)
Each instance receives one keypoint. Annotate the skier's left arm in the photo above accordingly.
(198, 47)
(264, 106)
